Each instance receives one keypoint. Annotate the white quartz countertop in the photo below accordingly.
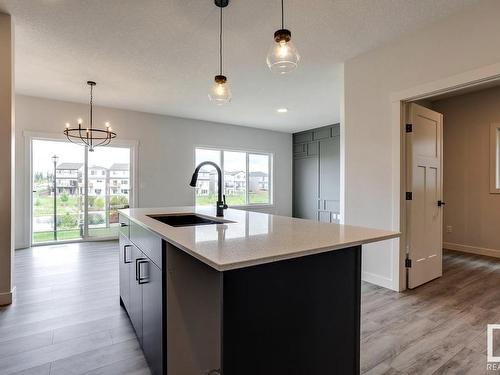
(253, 237)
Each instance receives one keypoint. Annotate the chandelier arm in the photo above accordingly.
(101, 143)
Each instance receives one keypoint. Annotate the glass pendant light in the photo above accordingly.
(220, 92)
(283, 57)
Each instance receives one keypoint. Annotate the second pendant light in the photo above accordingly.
(220, 92)
(282, 57)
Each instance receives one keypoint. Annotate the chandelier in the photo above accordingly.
(89, 136)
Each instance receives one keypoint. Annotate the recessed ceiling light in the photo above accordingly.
(282, 110)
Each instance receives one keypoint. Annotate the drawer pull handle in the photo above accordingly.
(140, 278)
(125, 254)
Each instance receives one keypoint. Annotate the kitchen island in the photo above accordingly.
(254, 294)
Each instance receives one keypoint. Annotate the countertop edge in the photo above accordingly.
(270, 259)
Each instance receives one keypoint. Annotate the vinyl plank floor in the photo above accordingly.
(438, 328)
(66, 318)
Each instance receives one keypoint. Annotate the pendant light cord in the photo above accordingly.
(91, 116)
(220, 43)
(282, 15)
(91, 104)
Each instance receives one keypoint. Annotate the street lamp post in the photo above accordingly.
(55, 158)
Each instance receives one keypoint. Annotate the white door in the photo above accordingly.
(424, 181)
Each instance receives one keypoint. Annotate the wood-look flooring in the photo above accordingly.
(66, 318)
(437, 328)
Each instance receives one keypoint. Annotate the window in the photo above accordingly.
(246, 177)
(71, 194)
(495, 159)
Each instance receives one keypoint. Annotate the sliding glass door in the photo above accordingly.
(76, 193)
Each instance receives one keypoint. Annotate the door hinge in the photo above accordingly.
(409, 128)
(408, 263)
(409, 196)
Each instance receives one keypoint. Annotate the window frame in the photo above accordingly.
(29, 137)
(247, 153)
(495, 158)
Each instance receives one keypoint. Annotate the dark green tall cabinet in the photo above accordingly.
(316, 174)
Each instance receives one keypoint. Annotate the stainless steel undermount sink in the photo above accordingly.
(187, 220)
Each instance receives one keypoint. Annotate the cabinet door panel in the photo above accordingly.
(135, 311)
(329, 169)
(125, 265)
(305, 188)
(152, 322)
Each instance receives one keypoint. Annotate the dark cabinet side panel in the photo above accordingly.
(152, 316)
(124, 269)
(135, 311)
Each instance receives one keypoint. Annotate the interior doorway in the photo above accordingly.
(469, 173)
(75, 193)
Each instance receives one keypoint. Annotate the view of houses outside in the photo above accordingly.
(108, 190)
(236, 177)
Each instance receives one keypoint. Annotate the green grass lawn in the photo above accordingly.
(261, 197)
(43, 205)
(73, 234)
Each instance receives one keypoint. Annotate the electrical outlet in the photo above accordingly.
(449, 229)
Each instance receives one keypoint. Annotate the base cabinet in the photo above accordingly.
(135, 311)
(125, 265)
(152, 321)
(141, 294)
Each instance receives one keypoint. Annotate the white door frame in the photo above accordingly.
(29, 136)
(471, 79)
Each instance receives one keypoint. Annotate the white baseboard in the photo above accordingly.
(472, 249)
(6, 298)
(377, 280)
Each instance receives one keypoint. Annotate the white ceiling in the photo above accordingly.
(160, 56)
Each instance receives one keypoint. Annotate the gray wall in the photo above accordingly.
(166, 151)
(471, 210)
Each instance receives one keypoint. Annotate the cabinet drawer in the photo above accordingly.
(147, 242)
(124, 225)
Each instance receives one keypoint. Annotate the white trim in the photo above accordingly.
(472, 249)
(8, 297)
(376, 279)
(472, 78)
(495, 159)
(29, 136)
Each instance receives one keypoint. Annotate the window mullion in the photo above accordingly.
(247, 183)
(223, 177)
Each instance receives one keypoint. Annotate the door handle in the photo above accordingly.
(441, 203)
(125, 254)
(140, 278)
(123, 225)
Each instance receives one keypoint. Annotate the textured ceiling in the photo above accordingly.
(160, 56)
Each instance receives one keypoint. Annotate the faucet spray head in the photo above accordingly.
(194, 179)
